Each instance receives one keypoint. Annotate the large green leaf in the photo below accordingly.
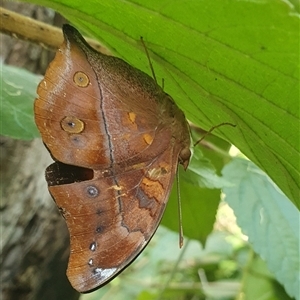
(270, 221)
(222, 61)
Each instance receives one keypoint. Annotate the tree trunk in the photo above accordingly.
(35, 240)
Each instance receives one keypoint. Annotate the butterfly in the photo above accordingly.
(116, 138)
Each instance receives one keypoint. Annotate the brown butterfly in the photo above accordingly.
(116, 138)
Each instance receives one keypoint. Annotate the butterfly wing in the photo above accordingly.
(116, 138)
(93, 112)
(111, 219)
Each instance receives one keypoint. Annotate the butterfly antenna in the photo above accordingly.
(179, 210)
(149, 60)
(212, 129)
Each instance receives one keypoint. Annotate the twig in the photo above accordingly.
(25, 28)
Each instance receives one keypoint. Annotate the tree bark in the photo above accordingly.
(34, 237)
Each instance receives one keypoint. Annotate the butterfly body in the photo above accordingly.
(116, 138)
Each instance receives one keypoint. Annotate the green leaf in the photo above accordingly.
(199, 208)
(202, 173)
(223, 61)
(17, 88)
(258, 283)
(200, 197)
(268, 218)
